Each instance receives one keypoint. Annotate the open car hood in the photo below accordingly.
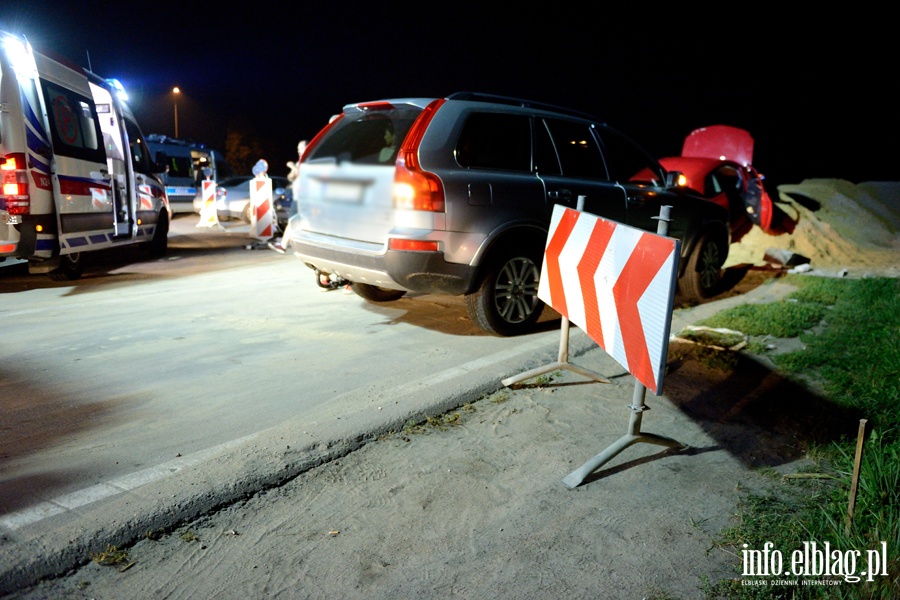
(720, 142)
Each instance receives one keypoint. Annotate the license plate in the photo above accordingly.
(343, 192)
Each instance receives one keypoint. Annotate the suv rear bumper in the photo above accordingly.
(421, 272)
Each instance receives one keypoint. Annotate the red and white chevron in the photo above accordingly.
(615, 282)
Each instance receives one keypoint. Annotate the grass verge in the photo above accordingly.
(851, 333)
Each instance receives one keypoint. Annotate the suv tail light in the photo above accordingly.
(413, 245)
(414, 188)
(14, 197)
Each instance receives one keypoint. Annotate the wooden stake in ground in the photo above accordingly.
(855, 481)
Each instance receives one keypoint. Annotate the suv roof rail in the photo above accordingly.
(510, 101)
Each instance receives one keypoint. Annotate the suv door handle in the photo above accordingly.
(560, 194)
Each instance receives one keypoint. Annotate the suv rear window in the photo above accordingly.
(368, 138)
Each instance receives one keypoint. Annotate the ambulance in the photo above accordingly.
(75, 172)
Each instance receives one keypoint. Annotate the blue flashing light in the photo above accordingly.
(119, 89)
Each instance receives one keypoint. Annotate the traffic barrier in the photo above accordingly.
(617, 283)
(208, 214)
(262, 213)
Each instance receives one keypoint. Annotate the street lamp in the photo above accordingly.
(176, 91)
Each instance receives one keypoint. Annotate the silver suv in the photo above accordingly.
(454, 196)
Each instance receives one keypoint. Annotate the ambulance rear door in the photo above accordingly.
(79, 170)
(121, 178)
(25, 155)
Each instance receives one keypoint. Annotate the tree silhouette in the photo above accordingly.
(242, 148)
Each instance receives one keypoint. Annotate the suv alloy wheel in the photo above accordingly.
(506, 302)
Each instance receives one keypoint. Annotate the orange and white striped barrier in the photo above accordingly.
(208, 216)
(617, 283)
(262, 211)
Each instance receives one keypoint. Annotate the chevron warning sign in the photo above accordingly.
(617, 283)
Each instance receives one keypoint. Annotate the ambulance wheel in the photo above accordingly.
(70, 267)
(159, 243)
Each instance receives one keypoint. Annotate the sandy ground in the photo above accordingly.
(838, 225)
(473, 505)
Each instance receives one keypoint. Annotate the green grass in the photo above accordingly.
(851, 333)
(781, 319)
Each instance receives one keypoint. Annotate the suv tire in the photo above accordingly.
(506, 302)
(373, 293)
(703, 271)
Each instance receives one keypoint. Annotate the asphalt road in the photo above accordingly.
(119, 391)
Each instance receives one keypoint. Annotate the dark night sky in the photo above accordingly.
(815, 93)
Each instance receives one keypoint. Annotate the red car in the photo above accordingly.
(716, 163)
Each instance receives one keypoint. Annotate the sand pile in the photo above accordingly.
(837, 225)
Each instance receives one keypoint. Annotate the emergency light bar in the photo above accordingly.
(119, 89)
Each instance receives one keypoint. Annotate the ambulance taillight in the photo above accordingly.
(14, 197)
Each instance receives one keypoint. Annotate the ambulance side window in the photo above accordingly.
(74, 126)
(140, 156)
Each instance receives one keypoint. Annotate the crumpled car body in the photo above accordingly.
(716, 162)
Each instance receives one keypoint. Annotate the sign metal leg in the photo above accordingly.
(561, 363)
(634, 435)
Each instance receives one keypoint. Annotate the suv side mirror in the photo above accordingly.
(675, 179)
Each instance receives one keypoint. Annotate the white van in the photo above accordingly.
(75, 173)
(184, 164)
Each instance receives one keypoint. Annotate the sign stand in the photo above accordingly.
(637, 408)
(562, 361)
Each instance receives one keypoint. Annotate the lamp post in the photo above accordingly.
(175, 92)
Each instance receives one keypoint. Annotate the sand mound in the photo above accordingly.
(837, 225)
